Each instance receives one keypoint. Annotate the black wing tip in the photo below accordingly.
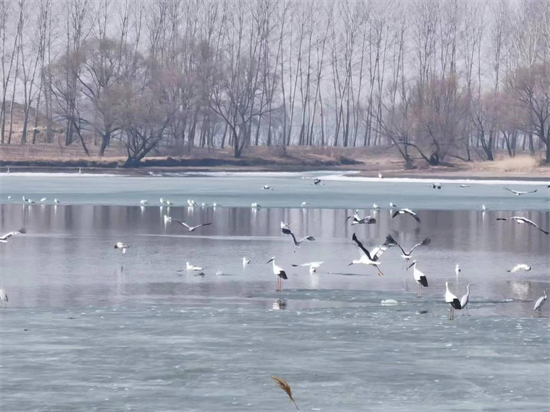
(390, 239)
(395, 214)
(424, 281)
(427, 241)
(23, 230)
(282, 275)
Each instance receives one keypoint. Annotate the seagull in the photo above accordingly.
(192, 203)
(43, 200)
(408, 212)
(369, 258)
(316, 181)
(27, 200)
(246, 262)
(521, 266)
(393, 205)
(304, 204)
(518, 193)
(465, 299)
(407, 256)
(267, 187)
(255, 206)
(143, 202)
(4, 239)
(452, 300)
(285, 229)
(279, 272)
(380, 175)
(463, 186)
(457, 270)
(3, 297)
(9, 197)
(192, 268)
(190, 228)
(521, 220)
(120, 245)
(167, 218)
(215, 204)
(375, 206)
(484, 208)
(313, 266)
(538, 305)
(356, 220)
(419, 278)
(436, 185)
(166, 202)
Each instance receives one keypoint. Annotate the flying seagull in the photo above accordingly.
(408, 212)
(190, 228)
(192, 268)
(369, 258)
(521, 220)
(279, 272)
(419, 278)
(518, 193)
(538, 304)
(285, 229)
(313, 266)
(357, 220)
(452, 300)
(406, 255)
(4, 239)
(521, 266)
(120, 245)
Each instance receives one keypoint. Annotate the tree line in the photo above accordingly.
(436, 79)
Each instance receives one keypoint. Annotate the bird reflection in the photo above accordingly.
(279, 304)
(520, 290)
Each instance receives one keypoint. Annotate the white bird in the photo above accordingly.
(192, 203)
(457, 270)
(406, 255)
(285, 229)
(304, 204)
(452, 300)
(166, 202)
(143, 202)
(215, 204)
(522, 220)
(43, 200)
(380, 175)
(313, 266)
(419, 278)
(375, 206)
(408, 212)
(3, 298)
(316, 181)
(255, 206)
(27, 200)
(120, 245)
(436, 185)
(190, 228)
(357, 220)
(463, 186)
(192, 268)
(246, 262)
(204, 204)
(540, 302)
(465, 299)
(267, 187)
(4, 239)
(484, 208)
(369, 258)
(9, 197)
(167, 219)
(521, 266)
(279, 272)
(518, 193)
(57, 202)
(393, 205)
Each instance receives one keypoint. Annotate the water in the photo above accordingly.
(90, 329)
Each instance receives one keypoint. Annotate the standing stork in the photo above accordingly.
(279, 272)
(523, 220)
(540, 302)
(369, 258)
(452, 300)
(419, 278)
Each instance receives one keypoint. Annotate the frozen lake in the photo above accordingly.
(90, 329)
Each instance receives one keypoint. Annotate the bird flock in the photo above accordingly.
(367, 257)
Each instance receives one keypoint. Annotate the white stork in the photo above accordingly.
(279, 272)
(452, 300)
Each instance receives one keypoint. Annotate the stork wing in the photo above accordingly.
(7, 236)
(510, 190)
(358, 243)
(390, 241)
(379, 251)
(425, 242)
(395, 214)
(296, 243)
(182, 223)
(411, 213)
(202, 224)
(533, 191)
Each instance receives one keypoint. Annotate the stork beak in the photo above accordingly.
(270, 260)
(350, 264)
(411, 265)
